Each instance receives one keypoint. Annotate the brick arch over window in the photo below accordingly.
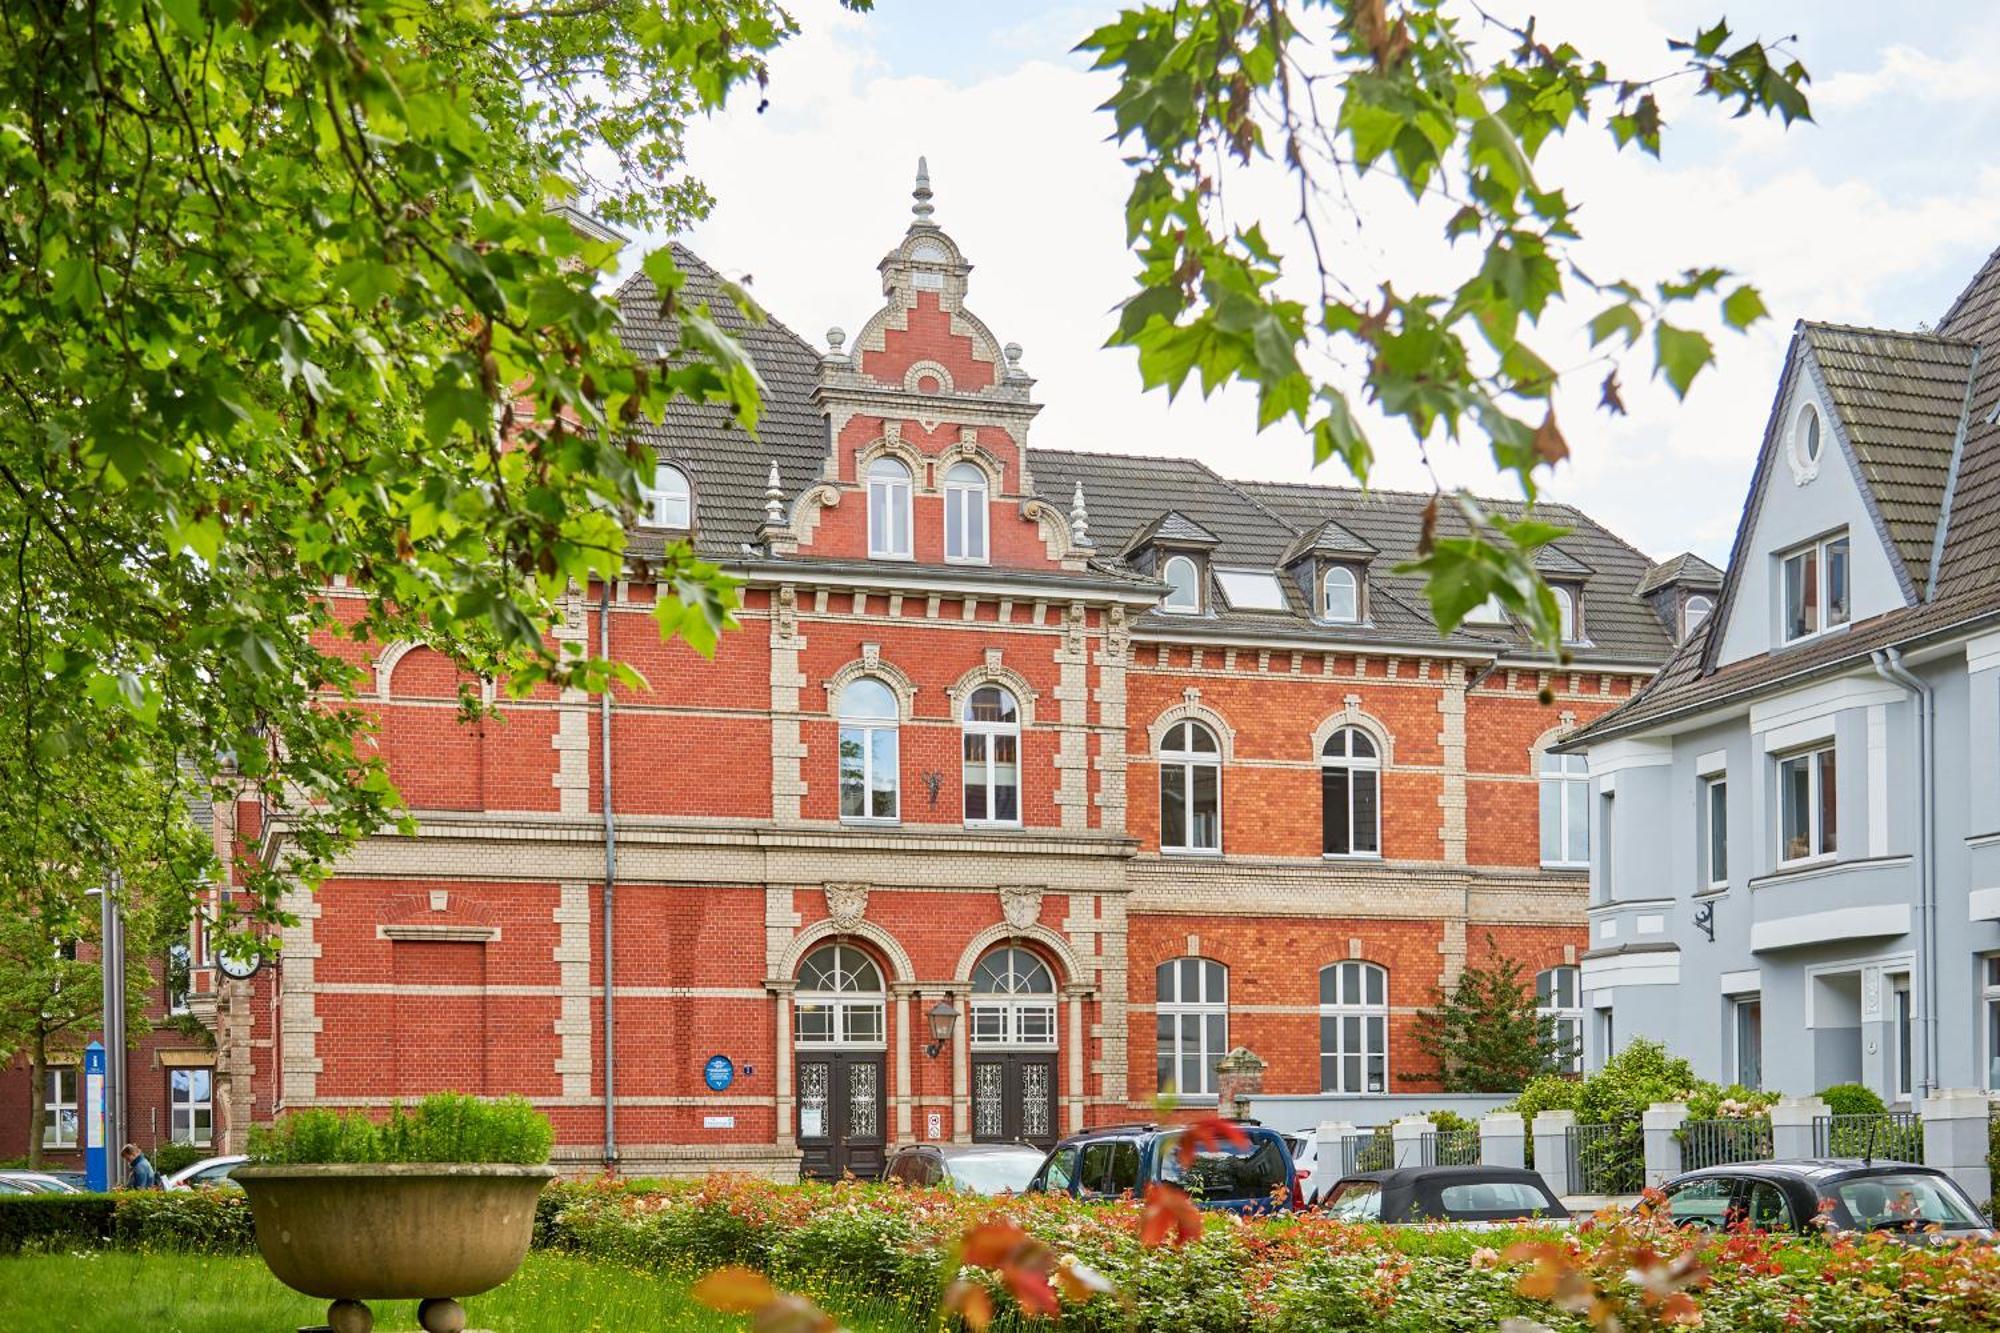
(1194, 710)
(1561, 731)
(1352, 716)
(918, 462)
(885, 948)
(993, 672)
(870, 663)
(967, 450)
(403, 650)
(1053, 948)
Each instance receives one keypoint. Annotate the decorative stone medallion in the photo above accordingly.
(1021, 904)
(846, 904)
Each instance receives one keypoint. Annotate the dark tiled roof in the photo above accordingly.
(1900, 397)
(1173, 527)
(1552, 561)
(1328, 539)
(1972, 538)
(1686, 568)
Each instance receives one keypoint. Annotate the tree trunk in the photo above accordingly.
(38, 1078)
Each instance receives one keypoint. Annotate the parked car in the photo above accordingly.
(975, 1168)
(208, 1173)
(1901, 1199)
(1252, 1177)
(1476, 1195)
(15, 1187)
(39, 1182)
(1304, 1149)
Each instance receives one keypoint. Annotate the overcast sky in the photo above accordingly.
(1876, 215)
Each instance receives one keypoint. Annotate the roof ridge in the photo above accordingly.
(1890, 333)
(771, 321)
(1972, 285)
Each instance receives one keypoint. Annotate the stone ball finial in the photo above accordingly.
(836, 338)
(1012, 351)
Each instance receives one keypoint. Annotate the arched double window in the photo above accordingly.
(965, 514)
(669, 500)
(870, 762)
(992, 772)
(1190, 789)
(888, 509)
(1559, 998)
(1183, 582)
(840, 999)
(1341, 602)
(1353, 1028)
(1193, 1024)
(1350, 784)
(1013, 1000)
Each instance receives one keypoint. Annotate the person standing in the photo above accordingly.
(139, 1172)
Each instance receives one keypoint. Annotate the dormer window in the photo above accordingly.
(669, 500)
(1697, 612)
(1488, 612)
(1183, 579)
(1815, 588)
(1566, 600)
(1340, 600)
(888, 510)
(965, 514)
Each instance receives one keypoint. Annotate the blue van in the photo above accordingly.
(1109, 1162)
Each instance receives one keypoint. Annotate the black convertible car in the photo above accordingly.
(1836, 1193)
(1442, 1194)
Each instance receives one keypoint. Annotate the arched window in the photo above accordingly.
(1342, 604)
(1699, 609)
(888, 509)
(1013, 1000)
(1353, 1028)
(840, 1000)
(869, 762)
(1565, 613)
(992, 757)
(1559, 997)
(1190, 790)
(1565, 780)
(1193, 1022)
(1183, 586)
(965, 514)
(1350, 788)
(669, 501)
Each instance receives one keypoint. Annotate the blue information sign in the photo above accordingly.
(96, 1152)
(719, 1072)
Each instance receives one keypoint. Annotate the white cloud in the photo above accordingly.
(815, 190)
(1907, 72)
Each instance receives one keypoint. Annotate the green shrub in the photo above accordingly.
(1450, 1122)
(445, 1127)
(55, 1221)
(168, 1158)
(1851, 1099)
(1709, 1101)
(212, 1221)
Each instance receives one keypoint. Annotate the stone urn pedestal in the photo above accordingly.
(426, 1231)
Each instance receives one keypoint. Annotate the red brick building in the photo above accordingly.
(1122, 762)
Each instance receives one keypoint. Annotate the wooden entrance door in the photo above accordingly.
(1014, 1098)
(841, 1121)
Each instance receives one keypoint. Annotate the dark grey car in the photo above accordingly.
(976, 1168)
(1899, 1199)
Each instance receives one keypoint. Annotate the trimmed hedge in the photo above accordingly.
(56, 1221)
(444, 1127)
(209, 1221)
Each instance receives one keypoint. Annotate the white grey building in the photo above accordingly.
(1795, 829)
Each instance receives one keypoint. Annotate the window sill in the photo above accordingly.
(1210, 853)
(975, 560)
(871, 821)
(1712, 891)
(1374, 857)
(904, 557)
(992, 825)
(1565, 865)
(1814, 637)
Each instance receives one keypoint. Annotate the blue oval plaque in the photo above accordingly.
(719, 1072)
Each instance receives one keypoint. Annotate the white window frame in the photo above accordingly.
(1566, 619)
(1808, 436)
(1351, 588)
(190, 1107)
(990, 734)
(867, 727)
(1181, 599)
(1691, 619)
(1903, 1030)
(1571, 771)
(1815, 559)
(1818, 848)
(1989, 1001)
(670, 499)
(56, 1098)
(844, 1002)
(1356, 767)
(1188, 760)
(1362, 1011)
(1211, 1000)
(1002, 1016)
(1736, 1009)
(1563, 1003)
(1714, 802)
(965, 500)
(889, 506)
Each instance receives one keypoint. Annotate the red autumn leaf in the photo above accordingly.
(969, 1301)
(735, 1291)
(1032, 1291)
(1210, 1131)
(989, 1244)
(1168, 1217)
(1079, 1281)
(793, 1314)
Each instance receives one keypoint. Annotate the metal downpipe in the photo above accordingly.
(1889, 665)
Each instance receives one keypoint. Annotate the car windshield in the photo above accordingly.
(1226, 1171)
(992, 1173)
(1356, 1201)
(1902, 1198)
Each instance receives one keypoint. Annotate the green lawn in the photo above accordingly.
(175, 1293)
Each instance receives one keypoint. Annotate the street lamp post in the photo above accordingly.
(111, 966)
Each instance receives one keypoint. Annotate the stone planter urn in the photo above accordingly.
(424, 1231)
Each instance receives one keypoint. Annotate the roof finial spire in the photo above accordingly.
(1079, 519)
(922, 194)
(774, 498)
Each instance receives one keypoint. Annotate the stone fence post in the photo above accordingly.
(1955, 1138)
(1335, 1139)
(1501, 1139)
(1239, 1076)
(1792, 1126)
(1408, 1140)
(1552, 1150)
(1660, 1123)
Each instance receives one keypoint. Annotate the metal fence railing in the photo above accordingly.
(1897, 1136)
(1452, 1147)
(1607, 1159)
(1720, 1142)
(1365, 1152)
